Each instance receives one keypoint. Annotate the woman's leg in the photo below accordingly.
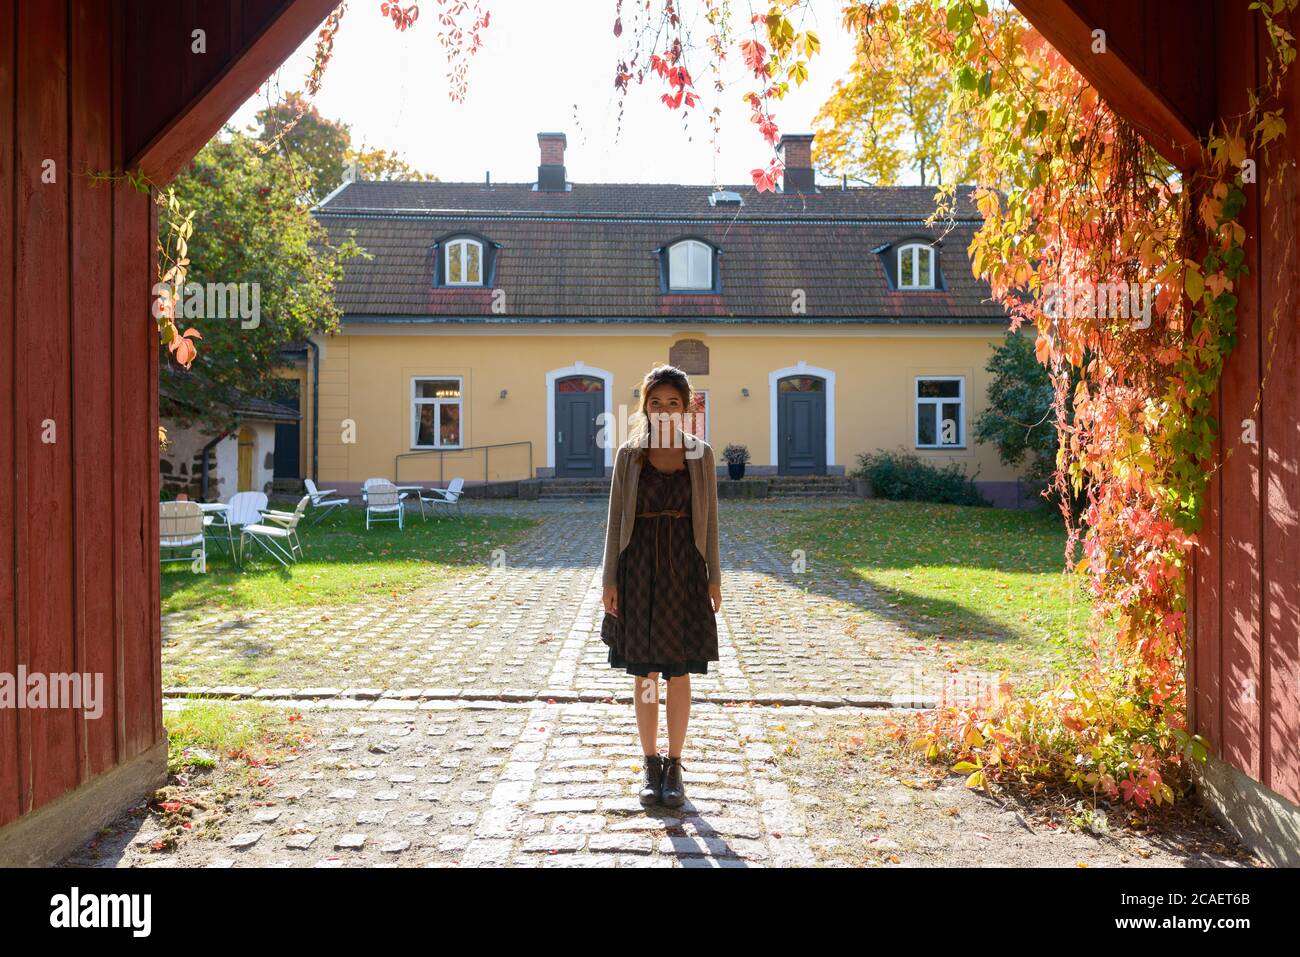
(645, 699)
(679, 713)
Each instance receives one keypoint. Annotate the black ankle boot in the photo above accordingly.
(674, 793)
(652, 780)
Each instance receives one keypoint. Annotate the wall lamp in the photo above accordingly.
(745, 393)
(503, 393)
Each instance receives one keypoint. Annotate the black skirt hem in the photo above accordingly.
(668, 669)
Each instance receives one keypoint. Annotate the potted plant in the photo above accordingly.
(736, 456)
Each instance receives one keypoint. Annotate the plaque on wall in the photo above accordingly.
(690, 355)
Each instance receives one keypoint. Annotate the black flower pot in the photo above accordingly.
(736, 470)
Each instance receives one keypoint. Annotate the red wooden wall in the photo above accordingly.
(1173, 67)
(78, 568)
(1245, 588)
(94, 85)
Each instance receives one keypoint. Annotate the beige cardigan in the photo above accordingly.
(704, 506)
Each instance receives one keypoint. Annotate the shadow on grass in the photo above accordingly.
(989, 579)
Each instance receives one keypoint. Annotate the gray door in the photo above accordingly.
(578, 401)
(801, 425)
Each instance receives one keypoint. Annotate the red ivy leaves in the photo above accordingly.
(402, 18)
(765, 179)
(678, 78)
(755, 55)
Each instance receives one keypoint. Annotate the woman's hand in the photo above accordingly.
(610, 597)
(715, 597)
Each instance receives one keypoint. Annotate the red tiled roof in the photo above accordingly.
(590, 252)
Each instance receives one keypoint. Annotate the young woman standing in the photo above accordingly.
(662, 576)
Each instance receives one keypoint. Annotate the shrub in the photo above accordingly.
(735, 454)
(901, 475)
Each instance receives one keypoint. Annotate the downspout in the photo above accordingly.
(203, 483)
(315, 405)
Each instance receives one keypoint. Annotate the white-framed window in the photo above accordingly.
(436, 405)
(463, 263)
(916, 266)
(940, 412)
(690, 265)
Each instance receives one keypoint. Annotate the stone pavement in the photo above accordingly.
(530, 629)
(500, 784)
(478, 723)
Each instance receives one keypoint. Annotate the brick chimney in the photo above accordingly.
(550, 163)
(796, 155)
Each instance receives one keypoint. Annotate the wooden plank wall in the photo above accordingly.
(87, 87)
(1170, 43)
(78, 524)
(1245, 580)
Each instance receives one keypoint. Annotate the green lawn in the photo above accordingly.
(989, 581)
(343, 563)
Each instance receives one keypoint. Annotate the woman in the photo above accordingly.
(662, 577)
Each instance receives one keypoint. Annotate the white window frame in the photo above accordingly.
(416, 402)
(912, 250)
(933, 406)
(462, 245)
(690, 244)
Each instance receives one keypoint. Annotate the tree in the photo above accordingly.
(256, 233)
(325, 147)
(1018, 419)
(891, 112)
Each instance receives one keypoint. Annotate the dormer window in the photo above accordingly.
(690, 266)
(915, 266)
(463, 263)
(465, 260)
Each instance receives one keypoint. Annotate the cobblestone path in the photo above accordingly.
(477, 723)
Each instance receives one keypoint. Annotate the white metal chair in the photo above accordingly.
(366, 485)
(321, 503)
(244, 508)
(280, 540)
(383, 498)
(180, 525)
(449, 496)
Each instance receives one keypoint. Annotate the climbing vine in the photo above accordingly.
(1128, 271)
(175, 230)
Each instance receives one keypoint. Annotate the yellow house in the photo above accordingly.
(500, 331)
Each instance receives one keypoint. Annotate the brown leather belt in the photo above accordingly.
(666, 513)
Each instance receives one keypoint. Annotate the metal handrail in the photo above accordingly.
(487, 456)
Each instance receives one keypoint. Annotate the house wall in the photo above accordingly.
(263, 456)
(366, 378)
(181, 464)
(78, 505)
(1244, 603)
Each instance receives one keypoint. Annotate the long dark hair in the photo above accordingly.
(659, 375)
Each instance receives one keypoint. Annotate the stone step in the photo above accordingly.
(575, 488)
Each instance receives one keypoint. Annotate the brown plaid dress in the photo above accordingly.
(665, 620)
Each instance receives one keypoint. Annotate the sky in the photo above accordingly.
(546, 65)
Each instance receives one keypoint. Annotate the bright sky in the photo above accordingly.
(546, 65)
